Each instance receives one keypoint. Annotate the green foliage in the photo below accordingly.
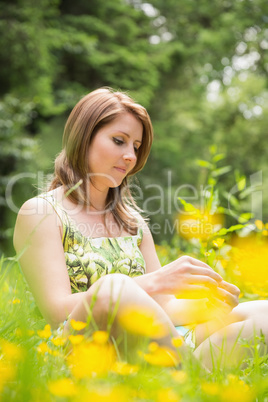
(16, 150)
(31, 355)
(216, 94)
(27, 67)
(200, 71)
(198, 226)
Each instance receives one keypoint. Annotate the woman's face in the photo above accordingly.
(113, 151)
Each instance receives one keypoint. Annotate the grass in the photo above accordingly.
(39, 365)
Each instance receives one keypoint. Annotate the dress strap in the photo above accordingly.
(62, 214)
(140, 235)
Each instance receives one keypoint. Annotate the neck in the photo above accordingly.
(97, 198)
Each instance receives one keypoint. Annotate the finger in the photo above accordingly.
(229, 287)
(195, 261)
(195, 291)
(227, 297)
(206, 271)
(202, 280)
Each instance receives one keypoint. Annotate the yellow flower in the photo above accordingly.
(76, 339)
(207, 253)
(63, 387)
(248, 265)
(211, 388)
(105, 394)
(89, 359)
(139, 394)
(167, 395)
(233, 378)
(124, 368)
(100, 337)
(161, 356)
(53, 352)
(259, 224)
(177, 342)
(237, 392)
(218, 242)
(42, 348)
(16, 301)
(203, 304)
(153, 346)
(45, 333)
(58, 341)
(199, 224)
(223, 262)
(78, 325)
(11, 351)
(141, 322)
(179, 376)
(7, 371)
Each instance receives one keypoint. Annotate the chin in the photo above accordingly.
(115, 185)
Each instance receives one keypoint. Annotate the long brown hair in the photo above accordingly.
(92, 112)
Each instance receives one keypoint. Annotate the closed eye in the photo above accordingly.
(117, 141)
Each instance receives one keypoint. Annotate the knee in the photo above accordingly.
(112, 289)
(251, 309)
(114, 283)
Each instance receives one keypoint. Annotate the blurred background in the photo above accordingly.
(199, 67)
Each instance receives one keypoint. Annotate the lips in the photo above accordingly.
(121, 169)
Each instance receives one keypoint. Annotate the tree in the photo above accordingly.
(214, 93)
(199, 69)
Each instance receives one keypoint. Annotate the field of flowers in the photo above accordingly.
(38, 364)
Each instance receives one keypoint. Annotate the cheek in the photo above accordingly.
(136, 161)
(99, 156)
(104, 149)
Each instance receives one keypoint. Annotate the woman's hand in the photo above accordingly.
(190, 278)
(186, 278)
(228, 295)
(187, 275)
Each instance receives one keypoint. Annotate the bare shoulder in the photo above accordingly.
(147, 238)
(38, 243)
(147, 248)
(142, 223)
(34, 210)
(35, 215)
(33, 206)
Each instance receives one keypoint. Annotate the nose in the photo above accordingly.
(130, 156)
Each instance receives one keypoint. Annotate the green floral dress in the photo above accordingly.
(88, 259)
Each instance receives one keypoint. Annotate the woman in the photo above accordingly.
(85, 235)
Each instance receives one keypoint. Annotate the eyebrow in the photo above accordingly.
(123, 132)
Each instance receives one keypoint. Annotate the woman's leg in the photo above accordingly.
(248, 310)
(244, 311)
(222, 348)
(117, 291)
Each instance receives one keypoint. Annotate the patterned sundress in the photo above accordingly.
(88, 259)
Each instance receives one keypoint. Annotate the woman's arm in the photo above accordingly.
(37, 238)
(184, 275)
(181, 275)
